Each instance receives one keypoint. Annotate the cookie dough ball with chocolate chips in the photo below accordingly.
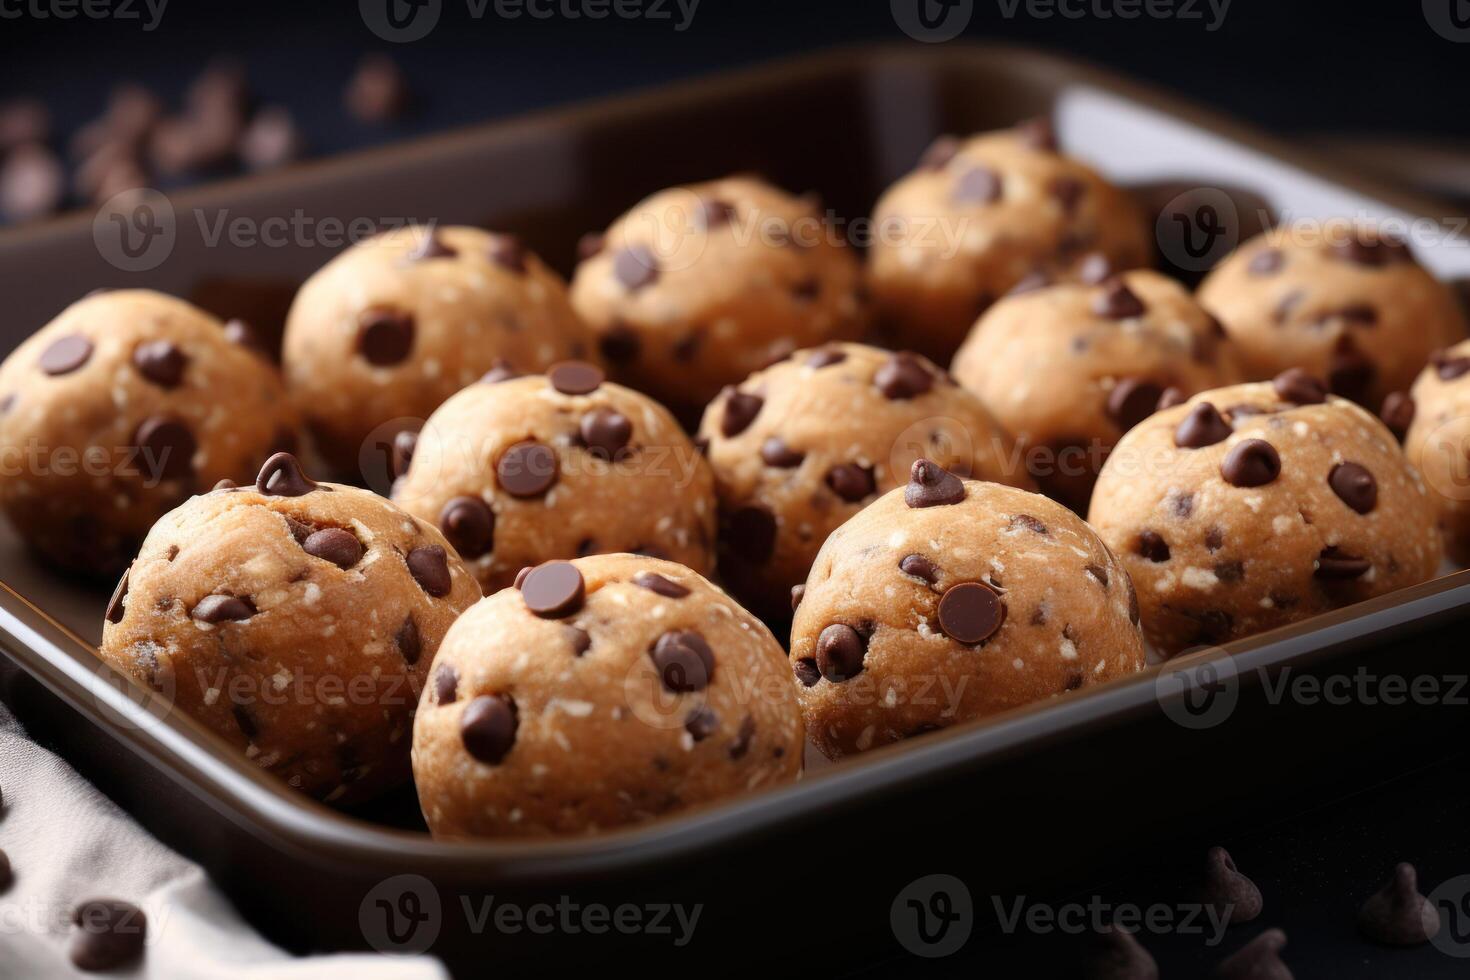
(396, 324)
(297, 620)
(598, 693)
(949, 600)
(979, 216)
(116, 411)
(698, 286)
(1344, 302)
(802, 446)
(1067, 369)
(1257, 505)
(518, 471)
(1436, 419)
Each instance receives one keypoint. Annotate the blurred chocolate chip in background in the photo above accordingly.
(377, 92)
(271, 140)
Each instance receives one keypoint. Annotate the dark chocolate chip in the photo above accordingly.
(806, 671)
(384, 336)
(1449, 367)
(110, 934)
(580, 640)
(575, 377)
(469, 524)
(605, 432)
(1259, 959)
(333, 544)
(1203, 426)
(553, 590)
(740, 744)
(410, 644)
(977, 185)
(656, 583)
(1266, 262)
(527, 469)
(939, 153)
(66, 354)
(635, 267)
(590, 244)
(971, 612)
(1068, 192)
(1116, 301)
(429, 567)
(684, 660)
(903, 376)
(1336, 565)
(488, 727)
(851, 482)
(797, 593)
(1116, 954)
(1183, 504)
(118, 604)
(919, 567)
(1099, 574)
(775, 452)
(446, 684)
(1398, 915)
(166, 447)
(507, 252)
(931, 485)
(1298, 387)
(1032, 524)
(281, 476)
(840, 652)
(160, 361)
(1251, 463)
(222, 609)
(825, 358)
(401, 452)
(1398, 413)
(7, 874)
(1151, 545)
(1354, 486)
(740, 410)
(620, 343)
(1225, 889)
(245, 721)
(1132, 400)
(701, 723)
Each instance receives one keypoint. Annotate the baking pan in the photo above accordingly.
(1040, 800)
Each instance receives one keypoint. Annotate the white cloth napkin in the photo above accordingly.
(68, 843)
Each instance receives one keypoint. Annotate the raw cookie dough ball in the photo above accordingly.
(980, 215)
(1258, 505)
(297, 620)
(950, 600)
(698, 286)
(802, 446)
(393, 326)
(119, 409)
(1067, 369)
(600, 692)
(519, 471)
(1438, 441)
(1343, 302)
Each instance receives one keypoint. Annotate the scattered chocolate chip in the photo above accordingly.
(1251, 463)
(701, 723)
(840, 653)
(740, 410)
(161, 362)
(334, 544)
(1038, 134)
(117, 605)
(825, 357)
(605, 432)
(446, 684)
(620, 344)
(971, 612)
(903, 376)
(1151, 545)
(1234, 895)
(590, 244)
(635, 267)
(527, 469)
(410, 644)
(1132, 400)
(656, 583)
(166, 447)
(1350, 372)
(1259, 959)
(377, 91)
(939, 153)
(65, 354)
(554, 589)
(1099, 574)
(1068, 192)
(575, 377)
(509, 253)
(851, 482)
(1298, 387)
(281, 476)
(1095, 269)
(798, 592)
(931, 485)
(1334, 564)
(740, 744)
(1354, 486)
(429, 566)
(684, 661)
(1117, 955)
(1397, 915)
(919, 567)
(222, 609)
(977, 185)
(384, 336)
(1449, 367)
(1117, 301)
(775, 452)
(488, 727)
(806, 671)
(110, 934)
(1398, 413)
(469, 524)
(751, 534)
(1203, 426)
(716, 213)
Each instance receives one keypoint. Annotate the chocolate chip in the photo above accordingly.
(1032, 524)
(1298, 387)
(65, 354)
(401, 451)
(7, 875)
(410, 644)
(110, 934)
(1132, 400)
(1116, 301)
(701, 723)
(939, 153)
(429, 566)
(851, 482)
(1095, 269)
(1354, 486)
(166, 447)
(620, 344)
(740, 410)
(716, 213)
(1203, 426)
(469, 524)
(521, 575)
(507, 252)
(1252, 463)
(684, 661)
(377, 91)
(1068, 192)
(825, 358)
(488, 727)
(446, 684)
(222, 609)
(579, 639)
(1151, 545)
(225, 485)
(384, 336)
(1259, 959)
(500, 371)
(656, 583)
(1229, 571)
(1099, 573)
(605, 432)
(161, 362)
(1116, 955)
(840, 653)
(117, 605)
(575, 377)
(241, 334)
(903, 376)
(1449, 367)
(527, 469)
(430, 246)
(1398, 413)
(281, 476)
(919, 567)
(554, 590)
(1225, 889)
(245, 721)
(775, 452)
(978, 185)
(806, 671)
(798, 592)
(971, 612)
(635, 267)
(1370, 248)
(931, 485)
(1350, 372)
(333, 544)
(1038, 134)
(1266, 262)
(1336, 565)
(1397, 915)
(740, 744)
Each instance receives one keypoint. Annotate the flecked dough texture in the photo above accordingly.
(119, 409)
(1223, 543)
(1067, 369)
(1346, 303)
(882, 648)
(1438, 442)
(698, 286)
(303, 648)
(980, 215)
(565, 722)
(799, 448)
(380, 336)
(517, 472)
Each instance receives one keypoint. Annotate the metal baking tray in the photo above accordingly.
(1038, 799)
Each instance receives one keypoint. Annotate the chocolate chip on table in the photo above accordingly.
(160, 361)
(701, 723)
(1266, 262)
(636, 267)
(1234, 895)
(430, 246)
(488, 727)
(1151, 545)
(939, 153)
(553, 590)
(750, 534)
(825, 357)
(931, 485)
(620, 344)
(410, 644)
(1203, 426)
(446, 684)
(1259, 959)
(1298, 387)
(118, 604)
(384, 336)
(1132, 400)
(110, 934)
(377, 91)
(1398, 413)
(334, 544)
(658, 584)
(1038, 133)
(798, 592)
(429, 566)
(1117, 301)
(806, 671)
(575, 377)
(971, 612)
(281, 476)
(1334, 564)
(215, 609)
(851, 482)
(977, 185)
(1251, 463)
(919, 567)
(740, 410)
(1354, 486)
(65, 354)
(1116, 954)
(508, 252)
(1397, 915)
(775, 452)
(903, 376)
(684, 661)
(1449, 367)
(527, 469)
(840, 653)
(165, 448)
